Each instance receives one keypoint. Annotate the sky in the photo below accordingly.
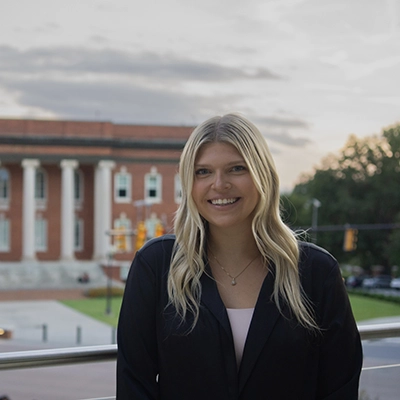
(308, 73)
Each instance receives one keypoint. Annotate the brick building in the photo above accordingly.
(65, 184)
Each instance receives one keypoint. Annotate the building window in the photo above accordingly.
(122, 184)
(4, 188)
(40, 188)
(177, 189)
(78, 188)
(78, 234)
(40, 234)
(152, 186)
(4, 234)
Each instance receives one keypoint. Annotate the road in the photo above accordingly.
(381, 383)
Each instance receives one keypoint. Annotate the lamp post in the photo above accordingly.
(120, 245)
(109, 281)
(314, 222)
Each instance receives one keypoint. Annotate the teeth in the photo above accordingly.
(223, 201)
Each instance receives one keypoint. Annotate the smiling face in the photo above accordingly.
(223, 189)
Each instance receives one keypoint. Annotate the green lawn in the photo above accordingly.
(97, 308)
(367, 308)
(363, 308)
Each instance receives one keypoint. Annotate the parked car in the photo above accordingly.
(354, 281)
(379, 281)
(395, 283)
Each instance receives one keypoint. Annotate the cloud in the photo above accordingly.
(286, 139)
(285, 122)
(276, 129)
(117, 102)
(123, 102)
(119, 86)
(123, 87)
(114, 62)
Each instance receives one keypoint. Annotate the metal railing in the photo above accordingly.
(379, 331)
(78, 355)
(54, 357)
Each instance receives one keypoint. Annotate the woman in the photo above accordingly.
(234, 306)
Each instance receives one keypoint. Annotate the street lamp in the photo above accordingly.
(120, 245)
(314, 222)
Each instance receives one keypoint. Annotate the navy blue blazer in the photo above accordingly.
(159, 359)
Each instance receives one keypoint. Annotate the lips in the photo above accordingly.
(224, 202)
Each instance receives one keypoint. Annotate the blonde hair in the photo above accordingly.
(275, 241)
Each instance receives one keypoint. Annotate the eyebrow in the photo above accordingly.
(235, 162)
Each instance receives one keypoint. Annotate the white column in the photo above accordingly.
(97, 206)
(102, 208)
(29, 209)
(67, 209)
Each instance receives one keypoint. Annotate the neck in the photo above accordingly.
(233, 245)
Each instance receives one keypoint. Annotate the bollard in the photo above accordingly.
(78, 335)
(44, 333)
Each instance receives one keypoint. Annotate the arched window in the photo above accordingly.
(40, 188)
(78, 234)
(4, 233)
(4, 188)
(40, 233)
(78, 188)
(177, 189)
(124, 224)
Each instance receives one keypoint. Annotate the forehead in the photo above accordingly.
(217, 151)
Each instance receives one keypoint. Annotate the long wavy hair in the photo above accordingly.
(275, 241)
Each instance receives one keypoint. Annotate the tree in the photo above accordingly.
(360, 185)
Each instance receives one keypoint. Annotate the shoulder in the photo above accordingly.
(310, 252)
(316, 261)
(152, 260)
(164, 241)
(319, 272)
(157, 249)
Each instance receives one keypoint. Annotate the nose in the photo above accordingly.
(221, 182)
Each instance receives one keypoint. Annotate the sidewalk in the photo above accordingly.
(37, 318)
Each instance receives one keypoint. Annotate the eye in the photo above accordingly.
(238, 168)
(202, 171)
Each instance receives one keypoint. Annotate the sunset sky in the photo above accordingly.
(307, 72)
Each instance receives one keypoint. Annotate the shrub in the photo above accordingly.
(377, 296)
(104, 291)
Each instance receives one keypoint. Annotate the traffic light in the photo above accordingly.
(140, 235)
(120, 240)
(350, 239)
(159, 229)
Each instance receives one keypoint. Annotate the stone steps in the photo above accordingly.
(51, 275)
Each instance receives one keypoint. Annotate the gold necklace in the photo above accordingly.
(233, 282)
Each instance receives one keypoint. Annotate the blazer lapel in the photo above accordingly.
(211, 299)
(263, 322)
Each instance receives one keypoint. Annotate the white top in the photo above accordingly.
(240, 319)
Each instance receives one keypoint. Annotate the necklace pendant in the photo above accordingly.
(233, 282)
